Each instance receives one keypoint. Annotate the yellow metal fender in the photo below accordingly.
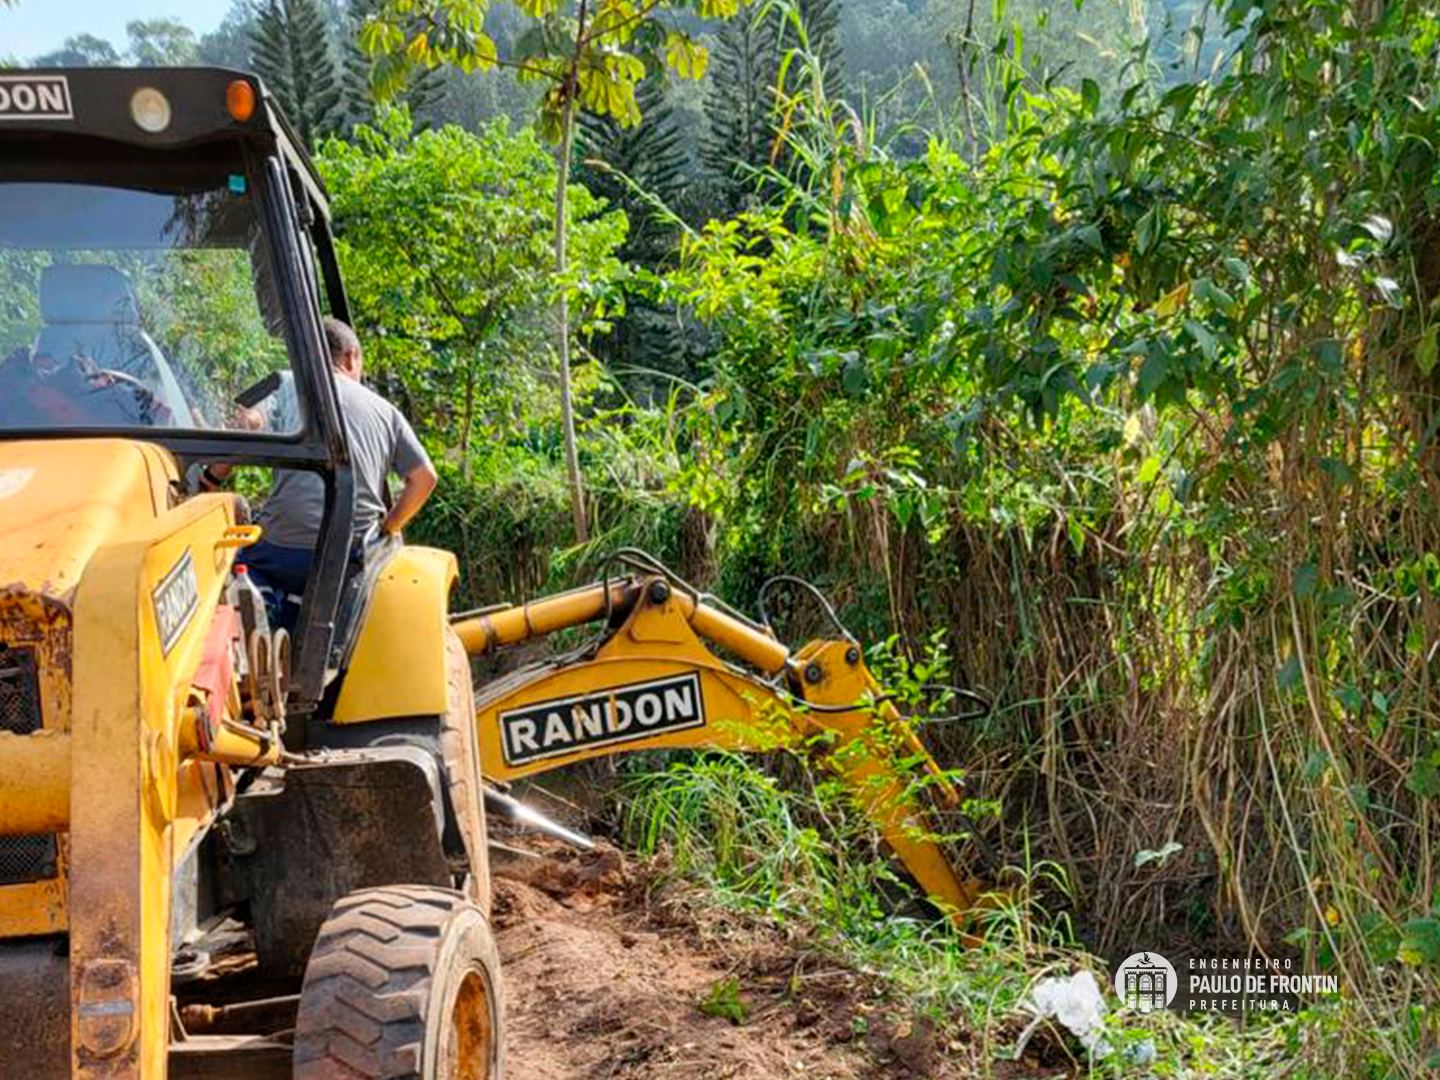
(397, 667)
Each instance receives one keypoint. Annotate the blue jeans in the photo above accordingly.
(280, 573)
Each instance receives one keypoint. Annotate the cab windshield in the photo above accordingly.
(123, 308)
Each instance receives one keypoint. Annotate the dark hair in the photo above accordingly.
(339, 338)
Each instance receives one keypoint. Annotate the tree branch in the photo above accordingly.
(639, 16)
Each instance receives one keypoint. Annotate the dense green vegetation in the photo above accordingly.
(1103, 342)
(1131, 390)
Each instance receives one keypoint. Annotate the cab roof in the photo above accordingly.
(52, 111)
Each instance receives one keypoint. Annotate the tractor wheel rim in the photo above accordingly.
(470, 1039)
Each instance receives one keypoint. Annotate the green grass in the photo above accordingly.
(798, 857)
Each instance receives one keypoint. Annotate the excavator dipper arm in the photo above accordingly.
(653, 681)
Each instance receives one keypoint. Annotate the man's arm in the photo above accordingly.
(419, 483)
(409, 460)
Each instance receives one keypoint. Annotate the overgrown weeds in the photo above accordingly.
(1140, 404)
(758, 848)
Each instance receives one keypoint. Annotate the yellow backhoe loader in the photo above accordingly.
(232, 850)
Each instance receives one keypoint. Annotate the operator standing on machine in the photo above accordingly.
(381, 442)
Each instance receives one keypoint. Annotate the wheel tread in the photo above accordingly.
(367, 985)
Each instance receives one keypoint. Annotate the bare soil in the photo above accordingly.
(606, 972)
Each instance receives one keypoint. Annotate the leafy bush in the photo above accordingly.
(1140, 404)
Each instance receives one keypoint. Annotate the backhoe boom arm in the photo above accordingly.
(653, 682)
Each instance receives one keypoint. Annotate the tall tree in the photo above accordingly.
(161, 42)
(635, 169)
(228, 45)
(627, 164)
(446, 244)
(745, 91)
(592, 54)
(80, 50)
(739, 104)
(290, 50)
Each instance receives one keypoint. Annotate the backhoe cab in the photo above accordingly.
(228, 851)
(165, 257)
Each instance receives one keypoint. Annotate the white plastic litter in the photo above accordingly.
(1076, 1002)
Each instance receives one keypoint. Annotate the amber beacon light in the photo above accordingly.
(240, 100)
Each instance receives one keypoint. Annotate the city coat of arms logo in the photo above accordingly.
(1146, 981)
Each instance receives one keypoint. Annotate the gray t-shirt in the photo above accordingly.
(381, 442)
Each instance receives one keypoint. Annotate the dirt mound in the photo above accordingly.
(605, 980)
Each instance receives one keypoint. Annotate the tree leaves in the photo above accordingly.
(1424, 778)
(446, 243)
(689, 58)
(1149, 230)
(1160, 857)
(596, 64)
(1203, 337)
(1420, 943)
(1173, 301)
(379, 36)
(1379, 227)
(1426, 352)
(1304, 581)
(1153, 373)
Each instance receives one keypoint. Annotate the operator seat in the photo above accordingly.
(91, 310)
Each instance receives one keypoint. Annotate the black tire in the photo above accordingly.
(462, 767)
(403, 984)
